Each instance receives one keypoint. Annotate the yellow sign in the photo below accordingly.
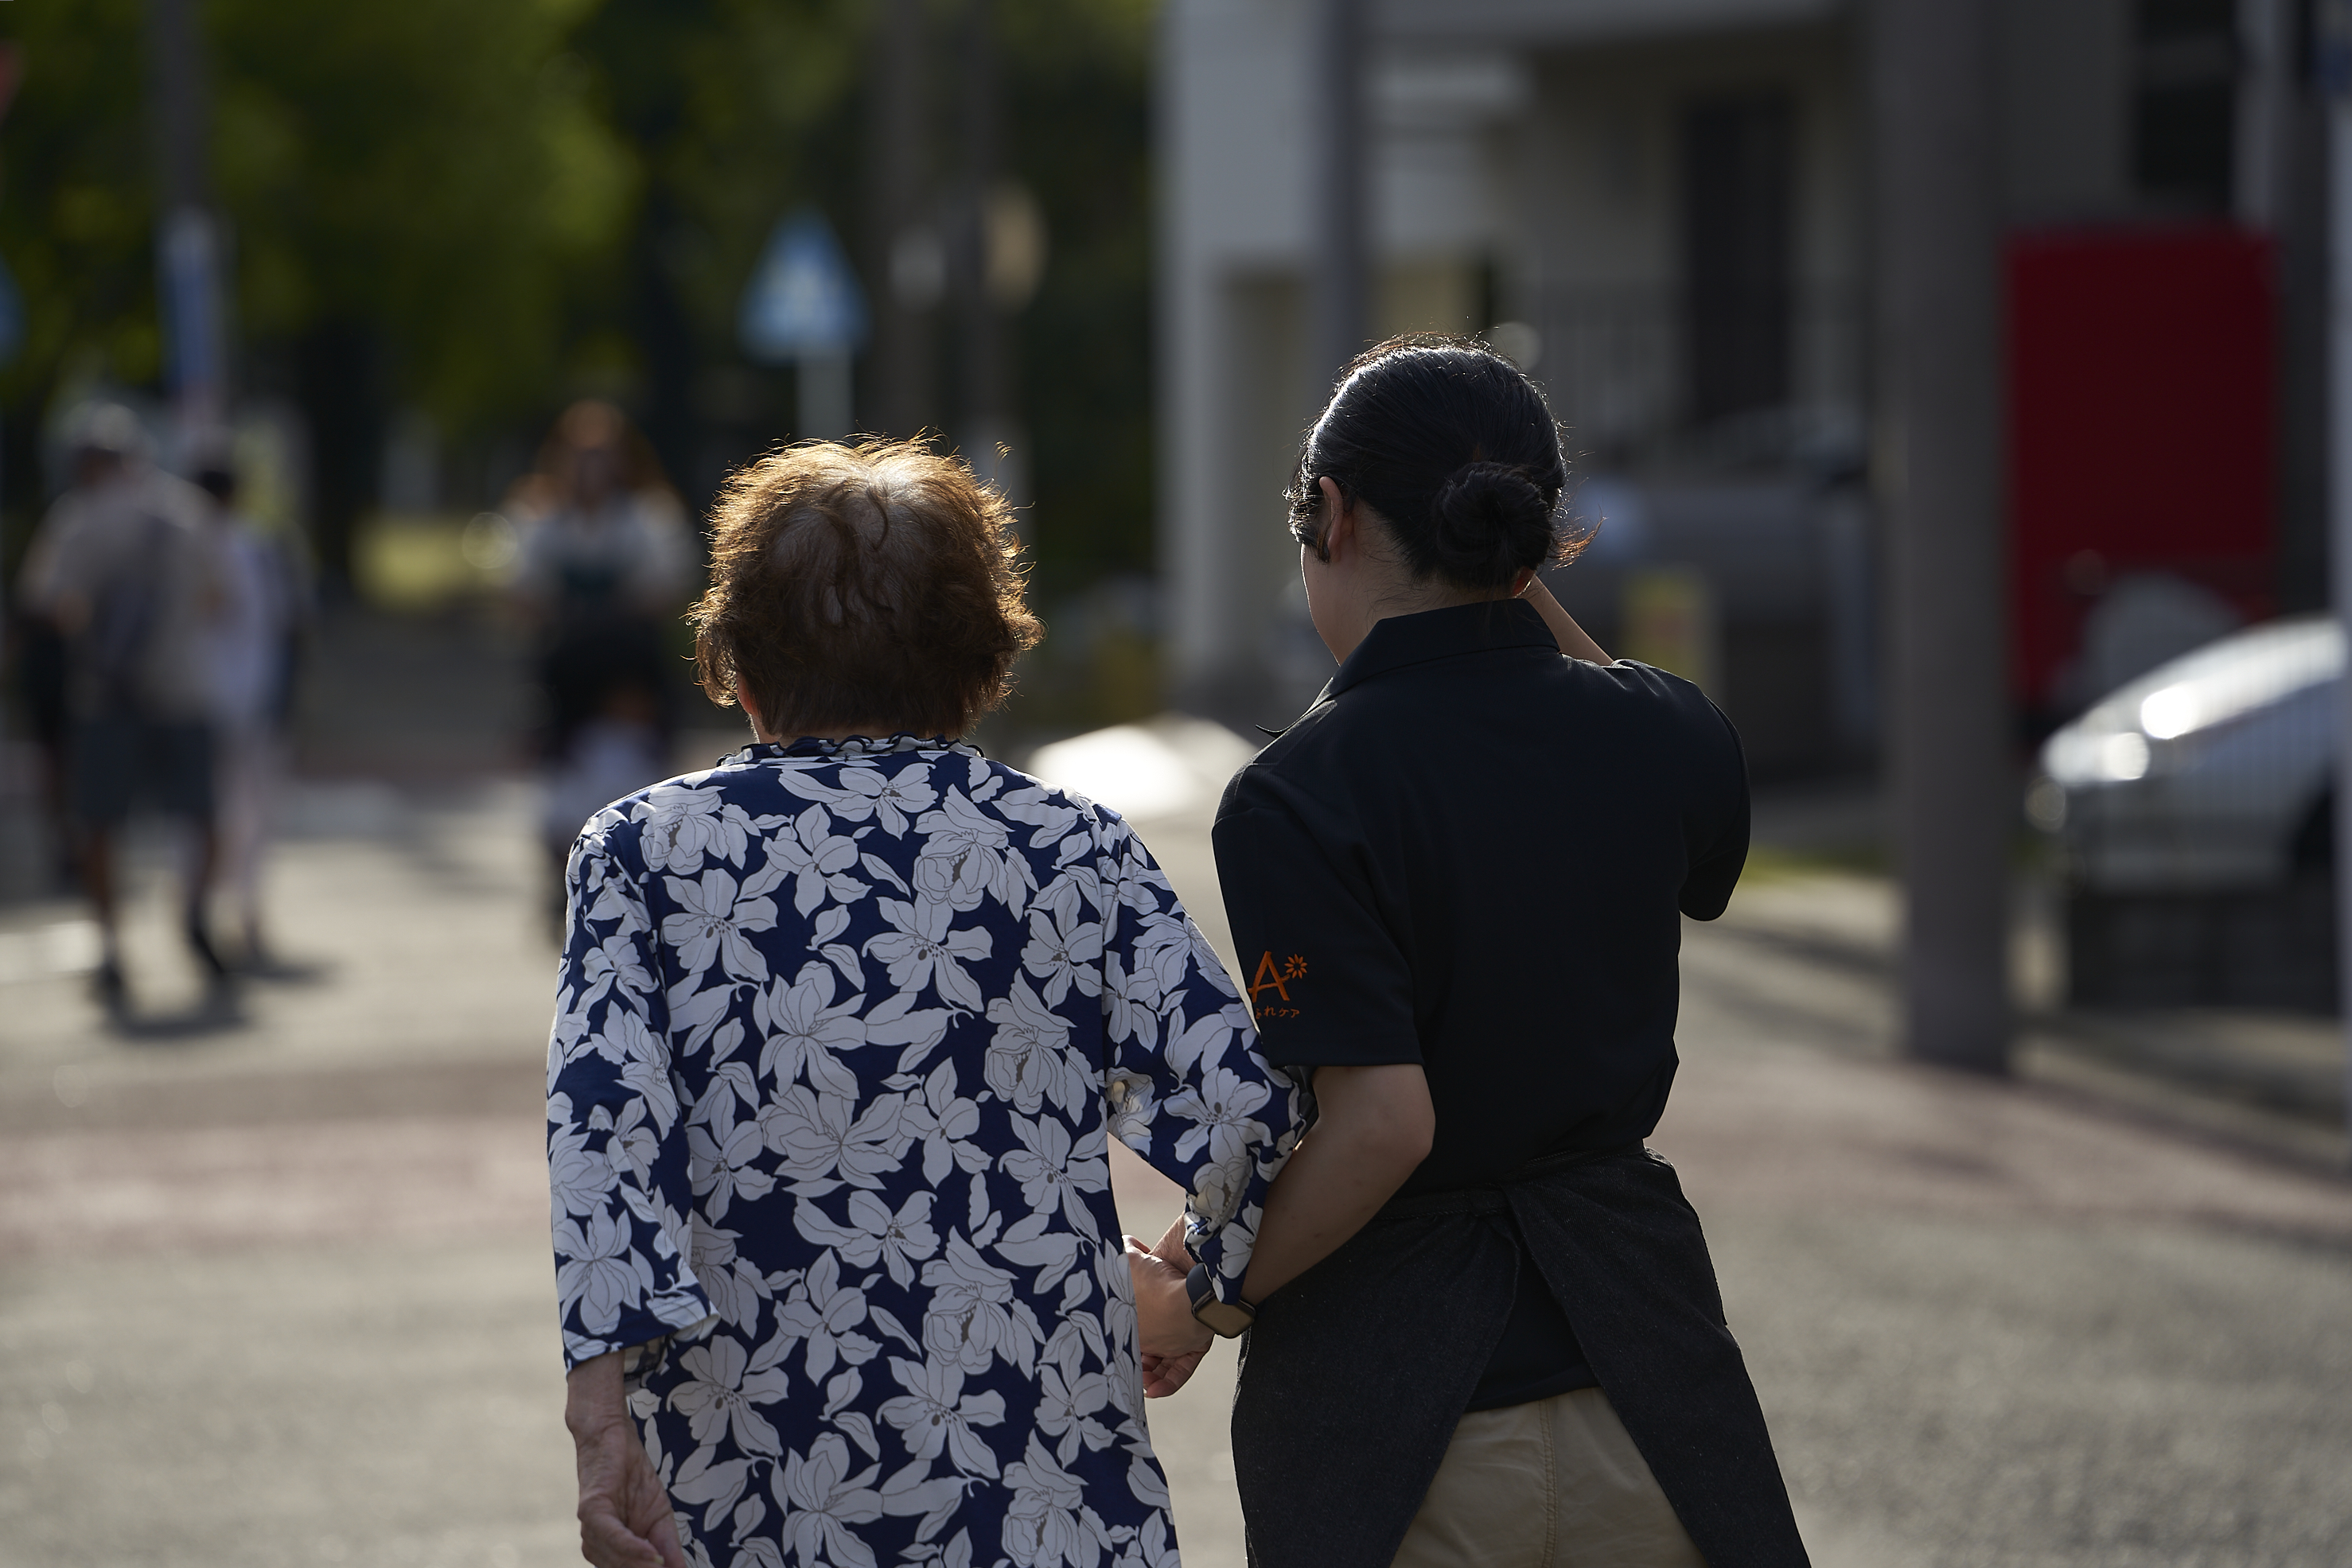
(1670, 622)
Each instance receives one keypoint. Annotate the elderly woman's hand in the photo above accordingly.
(1166, 1330)
(1164, 1375)
(625, 1512)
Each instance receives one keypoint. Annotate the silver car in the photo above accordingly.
(2194, 811)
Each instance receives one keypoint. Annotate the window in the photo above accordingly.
(2184, 101)
(1738, 187)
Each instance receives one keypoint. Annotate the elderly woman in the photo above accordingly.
(845, 1027)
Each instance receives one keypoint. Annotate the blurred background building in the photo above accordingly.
(1661, 210)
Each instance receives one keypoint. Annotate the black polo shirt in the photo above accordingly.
(1474, 854)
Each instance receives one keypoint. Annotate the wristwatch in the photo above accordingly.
(1228, 1320)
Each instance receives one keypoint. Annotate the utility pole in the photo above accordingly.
(903, 240)
(1937, 466)
(189, 243)
(2334, 37)
(1340, 244)
(988, 431)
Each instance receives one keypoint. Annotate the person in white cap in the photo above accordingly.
(121, 568)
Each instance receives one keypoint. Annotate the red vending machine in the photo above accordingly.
(2143, 428)
(2142, 435)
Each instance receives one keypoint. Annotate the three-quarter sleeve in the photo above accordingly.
(1189, 1088)
(616, 1144)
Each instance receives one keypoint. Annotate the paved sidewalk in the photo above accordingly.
(288, 1267)
(276, 1290)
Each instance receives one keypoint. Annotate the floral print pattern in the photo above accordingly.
(842, 1036)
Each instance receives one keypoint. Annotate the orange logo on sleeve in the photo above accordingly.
(1275, 976)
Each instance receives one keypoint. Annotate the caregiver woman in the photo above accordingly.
(1463, 871)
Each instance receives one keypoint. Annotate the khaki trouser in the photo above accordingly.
(1553, 1484)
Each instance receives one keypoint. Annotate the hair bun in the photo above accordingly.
(1394, 434)
(1492, 522)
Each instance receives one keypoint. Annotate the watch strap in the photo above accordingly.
(1228, 1320)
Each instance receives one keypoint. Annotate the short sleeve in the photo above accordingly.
(666, 566)
(72, 560)
(1716, 829)
(1322, 973)
(616, 1143)
(1187, 1085)
(535, 560)
(40, 579)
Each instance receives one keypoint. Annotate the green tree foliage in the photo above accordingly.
(432, 167)
(738, 110)
(521, 200)
(76, 213)
(742, 110)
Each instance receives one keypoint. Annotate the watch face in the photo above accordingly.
(1225, 1318)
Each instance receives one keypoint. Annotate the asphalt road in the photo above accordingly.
(274, 1286)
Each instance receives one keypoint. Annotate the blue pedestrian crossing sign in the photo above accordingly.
(803, 301)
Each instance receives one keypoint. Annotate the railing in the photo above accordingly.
(1617, 362)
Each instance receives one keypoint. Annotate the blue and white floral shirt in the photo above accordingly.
(842, 1033)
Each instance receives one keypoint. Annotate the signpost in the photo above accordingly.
(188, 236)
(803, 306)
(195, 351)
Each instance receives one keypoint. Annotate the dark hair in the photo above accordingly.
(594, 422)
(854, 585)
(1455, 448)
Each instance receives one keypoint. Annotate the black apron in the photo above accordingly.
(1357, 1371)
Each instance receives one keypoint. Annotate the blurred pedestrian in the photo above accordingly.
(605, 570)
(123, 568)
(35, 658)
(252, 644)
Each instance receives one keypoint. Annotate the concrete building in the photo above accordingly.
(1658, 206)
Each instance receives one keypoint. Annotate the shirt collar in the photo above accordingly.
(856, 748)
(1402, 640)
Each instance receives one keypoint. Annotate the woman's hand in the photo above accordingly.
(1164, 1375)
(1167, 1333)
(1572, 638)
(625, 1513)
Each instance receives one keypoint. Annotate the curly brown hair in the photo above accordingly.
(870, 584)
